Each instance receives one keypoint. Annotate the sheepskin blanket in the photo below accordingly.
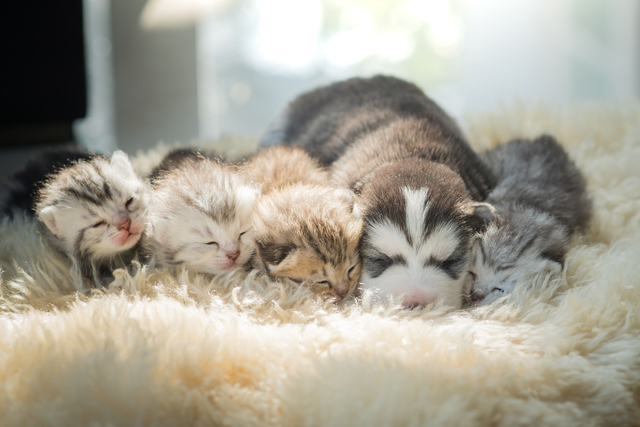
(162, 347)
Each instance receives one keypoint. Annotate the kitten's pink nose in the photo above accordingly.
(124, 224)
(232, 255)
(342, 293)
(477, 296)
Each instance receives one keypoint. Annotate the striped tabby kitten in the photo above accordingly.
(200, 217)
(418, 182)
(311, 234)
(305, 230)
(541, 200)
(95, 211)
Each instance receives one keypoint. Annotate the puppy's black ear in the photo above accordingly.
(479, 215)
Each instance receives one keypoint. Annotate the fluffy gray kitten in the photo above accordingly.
(540, 200)
(200, 217)
(95, 211)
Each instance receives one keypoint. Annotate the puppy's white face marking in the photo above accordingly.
(423, 265)
(416, 206)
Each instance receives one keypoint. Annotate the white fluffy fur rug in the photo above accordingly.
(161, 348)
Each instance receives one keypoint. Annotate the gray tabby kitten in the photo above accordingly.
(200, 217)
(95, 211)
(540, 200)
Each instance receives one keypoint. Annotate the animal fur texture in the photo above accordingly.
(275, 167)
(419, 183)
(540, 201)
(305, 230)
(200, 217)
(165, 348)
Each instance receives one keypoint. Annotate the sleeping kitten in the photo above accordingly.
(419, 184)
(541, 201)
(95, 211)
(201, 217)
(305, 230)
(311, 234)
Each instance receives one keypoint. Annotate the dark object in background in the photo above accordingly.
(23, 185)
(43, 86)
(174, 159)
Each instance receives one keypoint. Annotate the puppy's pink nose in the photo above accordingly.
(417, 301)
(233, 255)
(124, 224)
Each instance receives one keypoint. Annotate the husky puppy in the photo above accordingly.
(541, 200)
(306, 230)
(418, 182)
(94, 210)
(200, 216)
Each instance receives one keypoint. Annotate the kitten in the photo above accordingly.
(95, 211)
(306, 231)
(541, 200)
(419, 184)
(200, 217)
(310, 233)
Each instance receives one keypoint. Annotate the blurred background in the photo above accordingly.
(175, 70)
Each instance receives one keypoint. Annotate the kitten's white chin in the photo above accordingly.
(126, 240)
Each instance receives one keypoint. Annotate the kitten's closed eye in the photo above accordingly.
(99, 224)
(212, 243)
(128, 203)
(325, 283)
(351, 270)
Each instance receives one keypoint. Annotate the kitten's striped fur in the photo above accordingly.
(95, 211)
(311, 234)
(201, 217)
(541, 200)
(306, 230)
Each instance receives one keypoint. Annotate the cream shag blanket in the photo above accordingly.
(162, 348)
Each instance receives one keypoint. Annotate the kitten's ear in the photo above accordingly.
(480, 215)
(48, 216)
(349, 197)
(120, 161)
